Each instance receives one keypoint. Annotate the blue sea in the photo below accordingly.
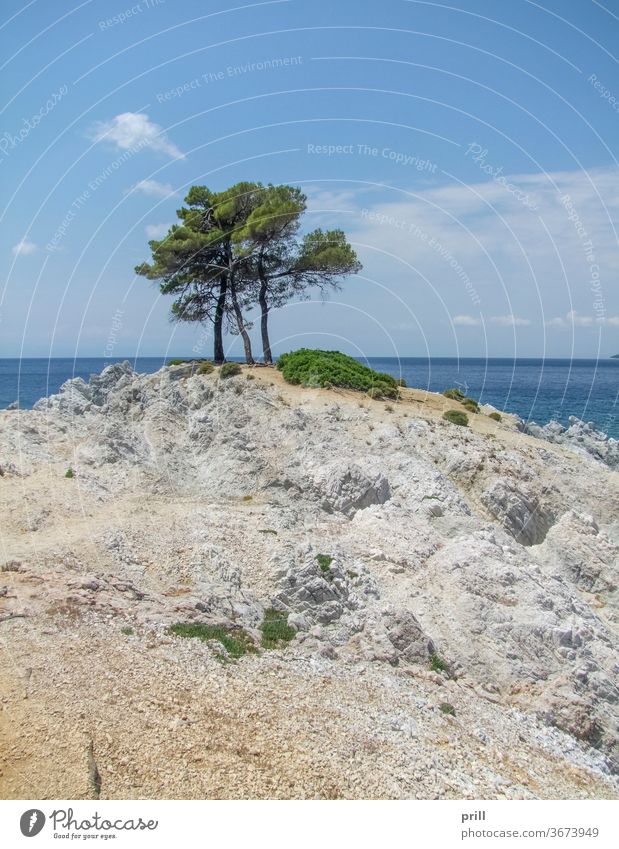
(537, 390)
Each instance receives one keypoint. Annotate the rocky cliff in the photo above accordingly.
(452, 593)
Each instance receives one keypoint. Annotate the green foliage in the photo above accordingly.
(275, 629)
(205, 367)
(229, 370)
(128, 632)
(267, 531)
(456, 417)
(454, 394)
(235, 641)
(400, 381)
(309, 367)
(324, 561)
(446, 708)
(495, 416)
(471, 405)
(176, 362)
(69, 473)
(437, 664)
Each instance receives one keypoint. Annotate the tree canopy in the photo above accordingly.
(239, 249)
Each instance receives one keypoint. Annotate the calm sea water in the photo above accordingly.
(537, 390)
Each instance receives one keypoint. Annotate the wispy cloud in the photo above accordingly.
(156, 231)
(133, 130)
(153, 188)
(574, 319)
(501, 320)
(24, 248)
(510, 321)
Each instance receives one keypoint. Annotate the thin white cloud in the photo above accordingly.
(466, 321)
(510, 321)
(132, 131)
(501, 320)
(156, 231)
(24, 248)
(153, 188)
(574, 319)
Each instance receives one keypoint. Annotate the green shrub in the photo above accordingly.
(445, 707)
(229, 370)
(437, 664)
(128, 632)
(267, 531)
(324, 561)
(205, 367)
(250, 377)
(400, 381)
(176, 362)
(236, 641)
(495, 416)
(454, 394)
(69, 473)
(275, 629)
(380, 391)
(308, 367)
(456, 417)
(470, 404)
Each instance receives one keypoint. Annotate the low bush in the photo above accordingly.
(454, 394)
(205, 367)
(69, 473)
(235, 641)
(276, 631)
(312, 367)
(437, 664)
(229, 370)
(445, 707)
(495, 416)
(470, 404)
(456, 417)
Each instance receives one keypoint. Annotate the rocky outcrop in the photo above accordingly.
(478, 562)
(580, 436)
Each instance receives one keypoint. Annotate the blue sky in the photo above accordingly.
(469, 150)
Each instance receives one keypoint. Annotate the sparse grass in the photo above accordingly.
(250, 377)
(437, 664)
(229, 370)
(69, 473)
(128, 632)
(445, 707)
(456, 417)
(235, 641)
(388, 408)
(495, 416)
(308, 367)
(247, 498)
(276, 631)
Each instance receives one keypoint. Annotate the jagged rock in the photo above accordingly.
(345, 488)
(524, 517)
(580, 436)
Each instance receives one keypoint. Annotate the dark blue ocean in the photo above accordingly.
(538, 390)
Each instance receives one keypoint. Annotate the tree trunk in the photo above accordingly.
(249, 357)
(218, 348)
(264, 323)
